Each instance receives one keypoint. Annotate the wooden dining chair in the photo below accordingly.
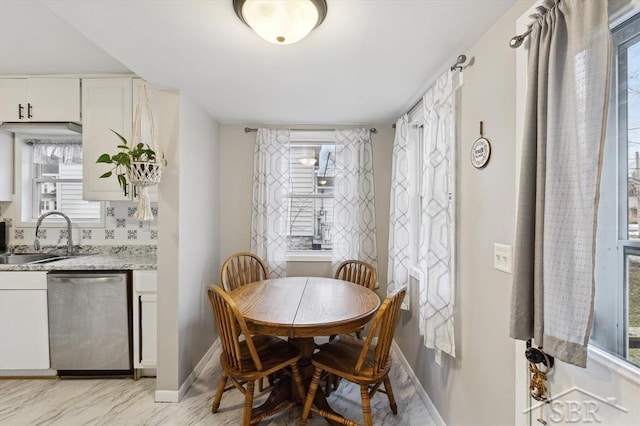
(357, 272)
(359, 362)
(246, 360)
(242, 268)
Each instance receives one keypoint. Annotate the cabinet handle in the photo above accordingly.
(125, 189)
(135, 191)
(29, 111)
(20, 112)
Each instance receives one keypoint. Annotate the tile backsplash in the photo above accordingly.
(121, 227)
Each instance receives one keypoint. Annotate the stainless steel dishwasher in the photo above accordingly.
(90, 323)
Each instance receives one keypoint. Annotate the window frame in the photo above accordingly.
(610, 332)
(312, 138)
(24, 196)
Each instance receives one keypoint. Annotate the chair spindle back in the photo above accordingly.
(231, 325)
(357, 272)
(242, 268)
(384, 326)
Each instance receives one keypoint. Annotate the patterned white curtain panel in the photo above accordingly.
(399, 213)
(437, 222)
(270, 198)
(354, 232)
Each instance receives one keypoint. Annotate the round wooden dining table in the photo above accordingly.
(302, 308)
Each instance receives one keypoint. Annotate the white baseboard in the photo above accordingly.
(45, 374)
(416, 383)
(176, 396)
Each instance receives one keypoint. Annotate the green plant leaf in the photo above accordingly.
(122, 181)
(106, 175)
(123, 147)
(104, 158)
(124, 141)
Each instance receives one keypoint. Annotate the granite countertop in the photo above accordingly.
(120, 258)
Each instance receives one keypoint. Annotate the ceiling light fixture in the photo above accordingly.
(281, 21)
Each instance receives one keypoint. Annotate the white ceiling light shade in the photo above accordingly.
(281, 21)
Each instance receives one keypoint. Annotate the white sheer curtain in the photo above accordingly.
(568, 79)
(57, 151)
(354, 229)
(270, 199)
(437, 222)
(399, 213)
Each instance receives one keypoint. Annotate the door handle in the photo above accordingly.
(29, 108)
(20, 112)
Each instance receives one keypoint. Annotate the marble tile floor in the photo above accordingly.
(128, 402)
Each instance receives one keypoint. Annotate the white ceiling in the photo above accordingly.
(367, 63)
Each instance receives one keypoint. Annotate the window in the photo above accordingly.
(310, 210)
(616, 325)
(55, 180)
(59, 187)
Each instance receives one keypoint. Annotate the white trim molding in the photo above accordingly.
(431, 408)
(176, 396)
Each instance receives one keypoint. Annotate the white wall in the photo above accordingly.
(477, 387)
(188, 245)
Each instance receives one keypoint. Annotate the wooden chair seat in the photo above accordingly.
(274, 354)
(360, 362)
(340, 356)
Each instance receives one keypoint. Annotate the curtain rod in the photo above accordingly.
(249, 130)
(516, 40)
(459, 65)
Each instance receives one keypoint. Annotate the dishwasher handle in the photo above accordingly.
(78, 280)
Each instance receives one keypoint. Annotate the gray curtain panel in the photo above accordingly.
(568, 91)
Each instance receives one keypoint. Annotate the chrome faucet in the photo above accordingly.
(36, 242)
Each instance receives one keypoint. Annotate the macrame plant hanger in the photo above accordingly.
(144, 174)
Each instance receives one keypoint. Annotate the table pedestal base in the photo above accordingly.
(284, 389)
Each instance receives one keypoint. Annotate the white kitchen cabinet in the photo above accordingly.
(106, 106)
(39, 99)
(6, 166)
(24, 324)
(144, 319)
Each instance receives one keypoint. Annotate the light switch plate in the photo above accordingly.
(503, 258)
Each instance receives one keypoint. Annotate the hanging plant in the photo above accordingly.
(141, 157)
(138, 163)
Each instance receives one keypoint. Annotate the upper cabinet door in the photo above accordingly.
(106, 106)
(40, 99)
(13, 99)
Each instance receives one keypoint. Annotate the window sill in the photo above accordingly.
(309, 256)
(615, 364)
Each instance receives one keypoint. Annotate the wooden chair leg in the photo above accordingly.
(315, 380)
(389, 391)
(221, 385)
(248, 403)
(366, 405)
(298, 379)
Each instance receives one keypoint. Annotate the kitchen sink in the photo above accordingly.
(30, 258)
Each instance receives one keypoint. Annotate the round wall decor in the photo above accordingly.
(480, 151)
